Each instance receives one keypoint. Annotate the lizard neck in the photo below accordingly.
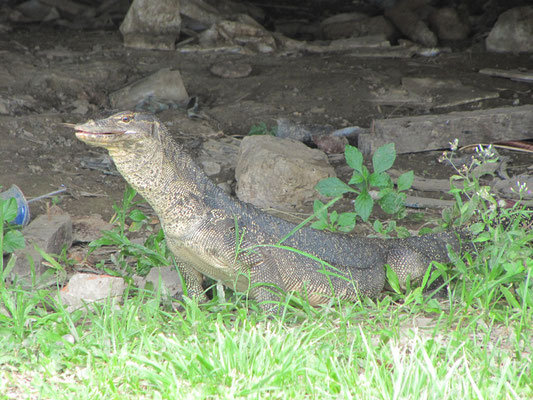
(166, 176)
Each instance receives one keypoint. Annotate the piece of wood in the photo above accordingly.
(434, 132)
(513, 74)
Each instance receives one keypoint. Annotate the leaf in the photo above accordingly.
(378, 226)
(320, 211)
(392, 279)
(333, 217)
(511, 300)
(9, 209)
(332, 187)
(392, 202)
(52, 262)
(137, 215)
(320, 225)
(405, 181)
(380, 180)
(354, 158)
(13, 240)
(346, 220)
(356, 178)
(402, 232)
(364, 205)
(384, 158)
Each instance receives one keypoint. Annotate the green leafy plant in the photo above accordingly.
(502, 235)
(262, 129)
(390, 199)
(10, 236)
(152, 253)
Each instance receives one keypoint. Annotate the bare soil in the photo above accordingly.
(51, 76)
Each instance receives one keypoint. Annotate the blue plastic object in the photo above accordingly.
(23, 209)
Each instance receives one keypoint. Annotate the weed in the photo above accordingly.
(152, 253)
(362, 182)
(503, 236)
(262, 129)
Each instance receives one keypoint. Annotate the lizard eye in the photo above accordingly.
(126, 118)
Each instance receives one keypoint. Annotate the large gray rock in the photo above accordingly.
(279, 173)
(152, 24)
(513, 32)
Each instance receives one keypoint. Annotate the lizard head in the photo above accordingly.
(119, 130)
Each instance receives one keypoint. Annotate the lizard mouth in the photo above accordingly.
(97, 136)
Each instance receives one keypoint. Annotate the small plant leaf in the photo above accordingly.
(137, 215)
(9, 209)
(384, 158)
(354, 158)
(392, 279)
(356, 178)
(13, 240)
(332, 187)
(380, 180)
(333, 217)
(320, 225)
(320, 211)
(364, 205)
(392, 202)
(405, 181)
(346, 221)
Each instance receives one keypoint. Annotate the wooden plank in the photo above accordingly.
(514, 74)
(434, 132)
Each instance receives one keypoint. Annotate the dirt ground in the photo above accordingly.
(55, 76)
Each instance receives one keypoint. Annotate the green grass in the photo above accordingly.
(373, 349)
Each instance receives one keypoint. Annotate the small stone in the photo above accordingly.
(89, 288)
(231, 70)
(168, 276)
(211, 168)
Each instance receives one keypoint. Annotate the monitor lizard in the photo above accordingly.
(213, 234)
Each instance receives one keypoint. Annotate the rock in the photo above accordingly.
(161, 90)
(36, 11)
(50, 233)
(330, 144)
(279, 173)
(301, 132)
(15, 104)
(408, 16)
(198, 14)
(230, 69)
(341, 25)
(219, 157)
(245, 32)
(355, 25)
(448, 25)
(152, 25)
(170, 279)
(513, 32)
(90, 288)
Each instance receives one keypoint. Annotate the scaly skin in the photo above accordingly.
(214, 234)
